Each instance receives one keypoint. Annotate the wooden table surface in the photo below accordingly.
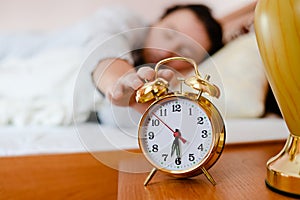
(239, 174)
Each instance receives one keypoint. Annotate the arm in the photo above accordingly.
(107, 76)
(108, 49)
(108, 72)
(237, 22)
(118, 80)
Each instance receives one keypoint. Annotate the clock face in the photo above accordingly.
(176, 134)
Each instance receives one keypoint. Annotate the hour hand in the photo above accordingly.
(175, 147)
(178, 154)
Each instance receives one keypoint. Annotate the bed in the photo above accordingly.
(24, 137)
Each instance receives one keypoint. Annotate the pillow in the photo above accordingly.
(238, 71)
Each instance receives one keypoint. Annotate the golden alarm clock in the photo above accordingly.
(180, 133)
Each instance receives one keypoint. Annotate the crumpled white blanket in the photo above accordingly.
(39, 90)
(38, 72)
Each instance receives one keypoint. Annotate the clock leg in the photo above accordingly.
(208, 176)
(150, 176)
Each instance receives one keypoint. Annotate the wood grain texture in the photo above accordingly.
(277, 27)
(73, 176)
(240, 174)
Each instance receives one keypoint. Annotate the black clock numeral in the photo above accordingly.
(163, 112)
(155, 122)
(204, 134)
(165, 156)
(178, 161)
(176, 108)
(200, 147)
(191, 157)
(200, 120)
(155, 148)
(150, 135)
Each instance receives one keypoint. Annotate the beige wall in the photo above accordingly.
(52, 14)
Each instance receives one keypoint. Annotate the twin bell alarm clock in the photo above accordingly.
(181, 133)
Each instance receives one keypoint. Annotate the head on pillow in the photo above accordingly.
(183, 30)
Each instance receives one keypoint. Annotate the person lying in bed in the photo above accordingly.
(184, 30)
(41, 68)
(44, 67)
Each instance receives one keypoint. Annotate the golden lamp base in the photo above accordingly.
(283, 170)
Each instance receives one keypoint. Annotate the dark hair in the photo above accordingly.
(212, 26)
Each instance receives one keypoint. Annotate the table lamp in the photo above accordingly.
(277, 27)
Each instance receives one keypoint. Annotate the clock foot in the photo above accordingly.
(150, 176)
(208, 176)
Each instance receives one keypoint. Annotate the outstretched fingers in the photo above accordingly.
(147, 73)
(124, 88)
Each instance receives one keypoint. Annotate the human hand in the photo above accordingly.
(123, 91)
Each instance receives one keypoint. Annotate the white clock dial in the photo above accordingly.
(176, 134)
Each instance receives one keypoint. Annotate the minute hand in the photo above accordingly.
(174, 132)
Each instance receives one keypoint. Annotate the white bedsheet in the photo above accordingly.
(16, 141)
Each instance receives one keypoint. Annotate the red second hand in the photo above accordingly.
(176, 134)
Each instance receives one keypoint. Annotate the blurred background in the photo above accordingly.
(16, 15)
